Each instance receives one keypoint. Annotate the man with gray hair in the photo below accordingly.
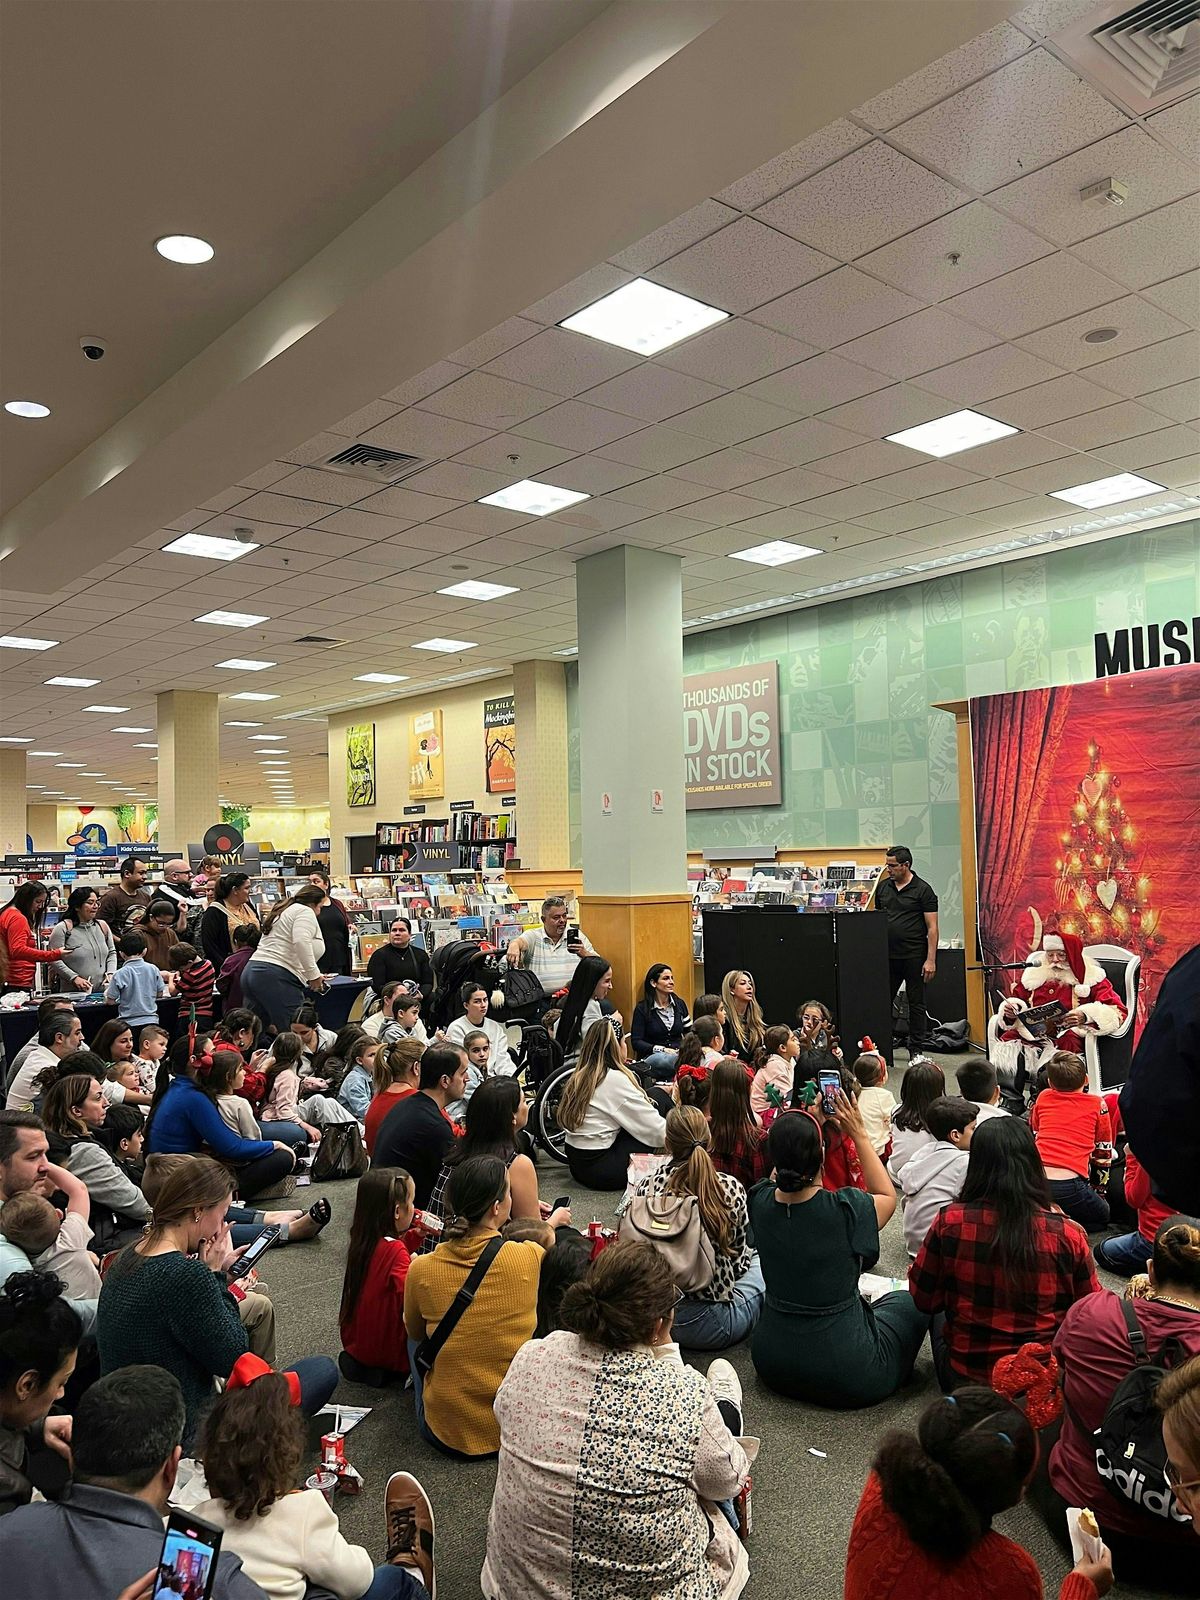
(551, 952)
(60, 1035)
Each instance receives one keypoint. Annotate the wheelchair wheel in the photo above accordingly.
(543, 1119)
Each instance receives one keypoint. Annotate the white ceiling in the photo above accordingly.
(850, 323)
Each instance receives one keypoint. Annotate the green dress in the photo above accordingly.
(817, 1338)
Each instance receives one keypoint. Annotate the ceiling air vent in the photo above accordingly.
(372, 462)
(320, 641)
(1147, 55)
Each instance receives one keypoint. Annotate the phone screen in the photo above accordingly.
(829, 1083)
(573, 933)
(187, 1565)
(253, 1252)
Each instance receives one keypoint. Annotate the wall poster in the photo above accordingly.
(500, 744)
(426, 757)
(360, 764)
(731, 737)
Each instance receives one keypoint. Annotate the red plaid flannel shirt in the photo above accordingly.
(747, 1161)
(987, 1314)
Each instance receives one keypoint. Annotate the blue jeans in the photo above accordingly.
(716, 1324)
(1080, 1201)
(318, 1379)
(289, 1133)
(1125, 1255)
(389, 1583)
(245, 1225)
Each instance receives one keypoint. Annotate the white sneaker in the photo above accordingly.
(726, 1385)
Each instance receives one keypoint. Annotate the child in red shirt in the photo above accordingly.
(194, 985)
(1068, 1123)
(371, 1316)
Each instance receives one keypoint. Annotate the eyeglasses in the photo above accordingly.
(1171, 1473)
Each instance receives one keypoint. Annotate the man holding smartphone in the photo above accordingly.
(106, 1531)
(553, 951)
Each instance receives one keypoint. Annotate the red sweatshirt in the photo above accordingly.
(1068, 1124)
(1151, 1213)
(374, 1334)
(23, 951)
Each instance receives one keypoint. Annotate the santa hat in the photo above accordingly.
(1072, 947)
(248, 1368)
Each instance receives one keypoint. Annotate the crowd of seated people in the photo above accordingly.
(759, 1170)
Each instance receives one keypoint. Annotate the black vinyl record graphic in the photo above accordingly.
(222, 840)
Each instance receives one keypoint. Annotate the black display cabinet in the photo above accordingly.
(839, 957)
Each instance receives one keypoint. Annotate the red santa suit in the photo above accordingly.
(1080, 986)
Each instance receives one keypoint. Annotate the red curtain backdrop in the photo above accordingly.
(1087, 811)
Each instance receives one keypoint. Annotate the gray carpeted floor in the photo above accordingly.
(803, 1503)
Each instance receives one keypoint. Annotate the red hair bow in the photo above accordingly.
(1032, 1371)
(699, 1073)
(248, 1368)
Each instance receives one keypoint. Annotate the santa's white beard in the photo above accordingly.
(1041, 975)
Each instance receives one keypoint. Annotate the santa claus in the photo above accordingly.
(1060, 971)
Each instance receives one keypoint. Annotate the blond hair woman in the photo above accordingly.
(744, 1026)
(607, 1114)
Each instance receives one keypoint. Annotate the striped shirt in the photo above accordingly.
(550, 959)
(194, 986)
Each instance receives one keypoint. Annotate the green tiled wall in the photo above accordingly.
(865, 759)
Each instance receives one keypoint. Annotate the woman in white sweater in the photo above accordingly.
(252, 1448)
(277, 977)
(606, 1112)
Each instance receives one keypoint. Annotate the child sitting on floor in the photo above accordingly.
(358, 1085)
(1068, 1124)
(774, 1070)
(875, 1101)
(977, 1081)
(122, 1135)
(935, 1175)
(54, 1243)
(371, 1315)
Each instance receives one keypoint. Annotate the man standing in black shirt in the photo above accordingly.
(911, 907)
(415, 1134)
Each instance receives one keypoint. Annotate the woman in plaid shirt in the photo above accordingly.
(999, 1267)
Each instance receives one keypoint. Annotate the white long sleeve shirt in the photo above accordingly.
(294, 942)
(616, 1105)
(296, 1543)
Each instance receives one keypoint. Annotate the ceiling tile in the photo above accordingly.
(793, 166)
(930, 338)
(360, 525)
(1178, 400)
(727, 469)
(734, 353)
(487, 401)
(1025, 114)
(591, 475)
(840, 306)
(986, 244)
(278, 508)
(492, 344)
(732, 418)
(741, 267)
(1180, 296)
(930, 477)
(686, 230)
(815, 385)
(903, 518)
(1183, 474)
(862, 201)
(565, 363)
(1167, 444)
(403, 503)
(658, 449)
(1068, 396)
(494, 454)
(651, 392)
(852, 502)
(580, 292)
(368, 416)
(482, 521)
(944, 76)
(1148, 249)
(863, 462)
(801, 442)
(1170, 361)
(1098, 428)
(577, 426)
(889, 411)
(1136, 322)
(1049, 200)
(719, 510)
(985, 495)
(980, 378)
(420, 433)
(1045, 291)
(1062, 474)
(795, 485)
(1180, 124)
(425, 383)
(1012, 454)
(329, 487)
(604, 514)
(453, 480)
(659, 493)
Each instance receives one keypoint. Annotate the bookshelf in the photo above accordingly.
(465, 839)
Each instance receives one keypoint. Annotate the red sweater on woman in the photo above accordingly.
(374, 1333)
(23, 950)
(884, 1563)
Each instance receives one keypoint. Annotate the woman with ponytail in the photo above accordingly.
(723, 1312)
(607, 1114)
(923, 1529)
(817, 1338)
(453, 1400)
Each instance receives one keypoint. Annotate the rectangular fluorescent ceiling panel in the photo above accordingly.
(44, 752)
(644, 317)
(446, 646)
(778, 553)
(244, 724)
(208, 546)
(145, 747)
(255, 736)
(13, 641)
(131, 730)
(231, 619)
(1107, 491)
(244, 664)
(252, 694)
(70, 763)
(946, 436)
(479, 591)
(373, 677)
(533, 499)
(116, 709)
(13, 739)
(72, 683)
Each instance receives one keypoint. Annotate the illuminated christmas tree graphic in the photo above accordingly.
(1103, 889)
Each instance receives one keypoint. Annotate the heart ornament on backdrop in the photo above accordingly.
(1092, 789)
(1106, 892)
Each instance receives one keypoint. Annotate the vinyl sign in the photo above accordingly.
(731, 738)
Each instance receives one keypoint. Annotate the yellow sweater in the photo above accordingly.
(472, 1364)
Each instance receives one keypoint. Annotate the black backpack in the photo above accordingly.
(1130, 1455)
(523, 992)
(538, 1055)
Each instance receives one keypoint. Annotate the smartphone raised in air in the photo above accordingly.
(187, 1565)
(829, 1083)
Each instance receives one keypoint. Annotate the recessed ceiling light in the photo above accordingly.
(13, 641)
(13, 738)
(946, 436)
(1107, 491)
(91, 774)
(231, 619)
(208, 546)
(445, 646)
(1099, 335)
(35, 785)
(132, 730)
(533, 498)
(243, 664)
(257, 736)
(382, 677)
(70, 763)
(44, 752)
(778, 553)
(185, 249)
(644, 317)
(145, 747)
(55, 794)
(252, 694)
(471, 590)
(26, 408)
(243, 724)
(72, 683)
(117, 709)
